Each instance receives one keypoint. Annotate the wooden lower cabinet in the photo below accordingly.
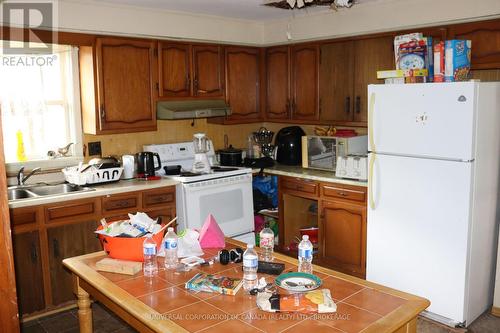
(342, 234)
(68, 241)
(45, 235)
(338, 210)
(29, 276)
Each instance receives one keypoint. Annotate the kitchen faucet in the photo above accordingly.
(21, 178)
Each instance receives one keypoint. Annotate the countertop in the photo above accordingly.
(300, 172)
(163, 304)
(121, 186)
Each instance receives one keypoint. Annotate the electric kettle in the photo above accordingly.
(146, 164)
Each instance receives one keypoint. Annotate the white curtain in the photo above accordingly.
(36, 101)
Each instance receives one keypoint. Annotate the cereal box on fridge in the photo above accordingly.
(457, 60)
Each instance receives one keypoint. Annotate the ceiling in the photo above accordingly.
(238, 9)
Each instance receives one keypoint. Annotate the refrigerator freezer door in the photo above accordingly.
(418, 229)
(428, 120)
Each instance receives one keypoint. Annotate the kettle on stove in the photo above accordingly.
(146, 164)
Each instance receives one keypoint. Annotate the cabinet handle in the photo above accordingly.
(34, 254)
(287, 106)
(342, 194)
(195, 83)
(103, 112)
(294, 106)
(358, 104)
(55, 245)
(348, 104)
(320, 105)
(188, 81)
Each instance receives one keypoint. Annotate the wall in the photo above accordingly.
(100, 18)
(377, 16)
(373, 16)
(170, 131)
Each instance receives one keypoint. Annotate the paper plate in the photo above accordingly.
(298, 281)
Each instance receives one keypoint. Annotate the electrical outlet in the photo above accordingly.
(95, 148)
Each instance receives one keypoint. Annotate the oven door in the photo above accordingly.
(228, 199)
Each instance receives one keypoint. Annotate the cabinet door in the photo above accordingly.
(242, 82)
(28, 266)
(305, 93)
(208, 71)
(125, 71)
(175, 69)
(343, 237)
(370, 55)
(485, 37)
(64, 242)
(336, 82)
(278, 83)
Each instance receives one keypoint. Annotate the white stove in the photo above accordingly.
(225, 192)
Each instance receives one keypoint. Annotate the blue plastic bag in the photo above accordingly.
(268, 185)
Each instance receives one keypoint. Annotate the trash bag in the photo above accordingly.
(268, 186)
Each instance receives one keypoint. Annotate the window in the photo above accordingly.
(40, 104)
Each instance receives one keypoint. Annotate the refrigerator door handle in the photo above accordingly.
(371, 110)
(371, 200)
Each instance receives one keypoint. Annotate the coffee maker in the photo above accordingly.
(201, 163)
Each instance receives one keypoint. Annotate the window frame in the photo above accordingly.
(74, 124)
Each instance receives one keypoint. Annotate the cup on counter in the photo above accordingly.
(128, 167)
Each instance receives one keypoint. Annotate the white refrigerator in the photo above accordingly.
(433, 194)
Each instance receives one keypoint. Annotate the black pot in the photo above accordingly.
(230, 156)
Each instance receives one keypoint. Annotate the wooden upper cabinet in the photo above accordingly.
(336, 82)
(278, 83)
(190, 70)
(370, 56)
(208, 71)
(175, 69)
(485, 38)
(305, 68)
(118, 86)
(242, 82)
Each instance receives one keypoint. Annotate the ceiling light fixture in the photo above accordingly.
(299, 4)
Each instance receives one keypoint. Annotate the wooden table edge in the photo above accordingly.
(100, 286)
(392, 322)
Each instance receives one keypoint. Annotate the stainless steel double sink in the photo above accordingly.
(43, 190)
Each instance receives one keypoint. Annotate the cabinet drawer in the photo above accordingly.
(299, 185)
(24, 216)
(128, 202)
(73, 210)
(343, 193)
(156, 198)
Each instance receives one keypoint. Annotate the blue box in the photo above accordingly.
(457, 55)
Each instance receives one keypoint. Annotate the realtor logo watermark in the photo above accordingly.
(26, 19)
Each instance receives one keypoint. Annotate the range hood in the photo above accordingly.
(190, 109)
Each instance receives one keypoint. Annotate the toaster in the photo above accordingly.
(352, 166)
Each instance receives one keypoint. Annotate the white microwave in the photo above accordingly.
(321, 152)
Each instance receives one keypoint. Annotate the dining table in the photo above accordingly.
(163, 304)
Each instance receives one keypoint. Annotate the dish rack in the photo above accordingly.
(92, 175)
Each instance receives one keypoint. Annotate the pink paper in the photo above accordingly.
(210, 234)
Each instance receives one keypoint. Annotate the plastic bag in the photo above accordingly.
(268, 186)
(316, 301)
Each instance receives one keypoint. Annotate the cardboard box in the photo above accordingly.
(457, 60)
(439, 62)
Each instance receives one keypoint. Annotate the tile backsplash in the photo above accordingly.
(171, 131)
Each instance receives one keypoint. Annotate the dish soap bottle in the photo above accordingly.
(21, 156)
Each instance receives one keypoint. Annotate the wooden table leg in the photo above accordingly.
(84, 311)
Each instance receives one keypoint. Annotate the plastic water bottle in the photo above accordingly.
(170, 246)
(266, 244)
(305, 255)
(150, 266)
(250, 262)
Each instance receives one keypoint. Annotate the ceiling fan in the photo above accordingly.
(299, 4)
